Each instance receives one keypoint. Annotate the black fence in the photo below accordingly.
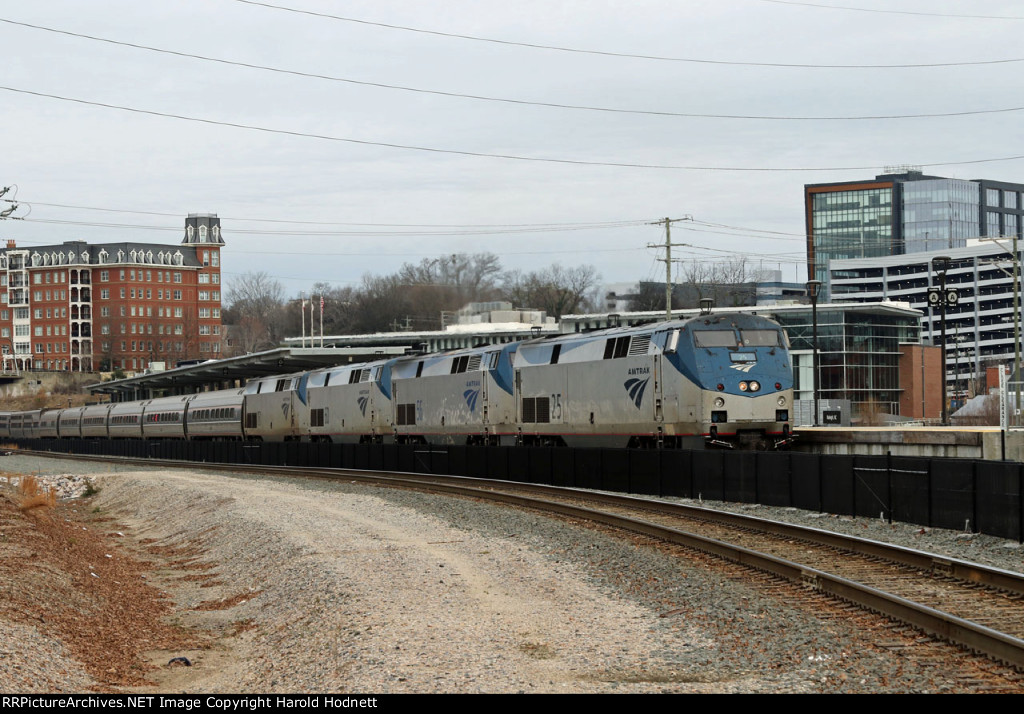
(961, 494)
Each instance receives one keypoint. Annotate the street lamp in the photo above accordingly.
(940, 265)
(813, 287)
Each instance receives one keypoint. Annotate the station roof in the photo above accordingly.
(283, 360)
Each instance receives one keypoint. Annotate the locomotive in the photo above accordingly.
(716, 380)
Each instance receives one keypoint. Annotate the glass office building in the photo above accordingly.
(939, 214)
(853, 222)
(858, 353)
(904, 212)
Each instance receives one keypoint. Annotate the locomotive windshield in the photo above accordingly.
(714, 338)
(761, 338)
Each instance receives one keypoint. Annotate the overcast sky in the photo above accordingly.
(385, 175)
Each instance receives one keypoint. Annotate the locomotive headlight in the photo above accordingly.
(743, 386)
(719, 402)
(781, 401)
(755, 386)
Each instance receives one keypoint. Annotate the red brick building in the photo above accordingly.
(81, 307)
(920, 381)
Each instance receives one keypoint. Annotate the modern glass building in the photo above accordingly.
(904, 211)
(858, 353)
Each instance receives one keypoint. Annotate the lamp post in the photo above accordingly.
(940, 265)
(813, 286)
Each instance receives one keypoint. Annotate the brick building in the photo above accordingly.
(81, 307)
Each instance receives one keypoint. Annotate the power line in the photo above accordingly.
(525, 102)
(496, 230)
(604, 53)
(488, 155)
(578, 224)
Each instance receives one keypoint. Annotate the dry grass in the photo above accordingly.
(32, 495)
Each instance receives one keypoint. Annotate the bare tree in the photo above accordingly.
(255, 307)
(556, 290)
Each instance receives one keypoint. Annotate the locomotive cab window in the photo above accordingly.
(714, 338)
(761, 338)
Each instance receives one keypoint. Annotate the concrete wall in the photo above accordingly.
(945, 442)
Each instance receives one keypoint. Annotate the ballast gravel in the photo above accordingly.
(339, 587)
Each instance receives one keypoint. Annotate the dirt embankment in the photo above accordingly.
(80, 608)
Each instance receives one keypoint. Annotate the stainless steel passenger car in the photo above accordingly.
(215, 415)
(164, 418)
(94, 421)
(124, 420)
(47, 425)
(69, 423)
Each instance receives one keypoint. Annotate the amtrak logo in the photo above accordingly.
(742, 367)
(362, 401)
(635, 388)
(471, 396)
(284, 409)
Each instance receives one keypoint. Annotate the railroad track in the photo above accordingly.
(971, 605)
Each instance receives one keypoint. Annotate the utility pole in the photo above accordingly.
(667, 222)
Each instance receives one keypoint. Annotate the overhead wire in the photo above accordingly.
(604, 53)
(466, 231)
(525, 102)
(490, 155)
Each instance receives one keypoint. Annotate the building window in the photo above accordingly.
(177, 295)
